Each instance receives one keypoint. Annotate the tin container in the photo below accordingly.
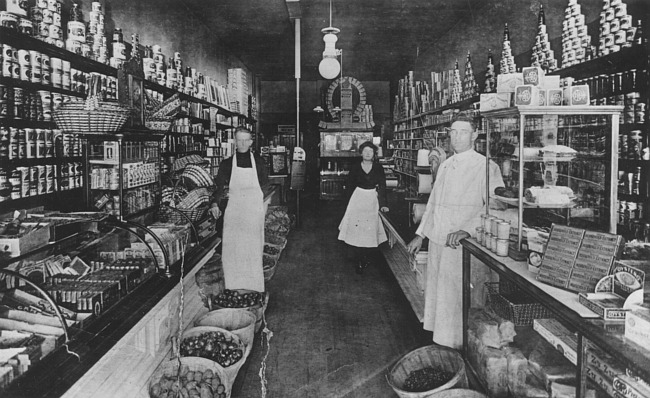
(8, 20)
(76, 31)
(503, 229)
(56, 19)
(502, 246)
(54, 5)
(486, 240)
(479, 234)
(26, 27)
(25, 73)
(493, 243)
(55, 32)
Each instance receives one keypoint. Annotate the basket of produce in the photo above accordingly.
(236, 320)
(269, 265)
(458, 393)
(277, 221)
(513, 304)
(189, 377)
(427, 370)
(91, 116)
(253, 301)
(274, 239)
(216, 344)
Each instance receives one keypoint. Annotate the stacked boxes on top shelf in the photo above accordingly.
(507, 64)
(576, 42)
(542, 55)
(470, 87)
(617, 28)
(238, 87)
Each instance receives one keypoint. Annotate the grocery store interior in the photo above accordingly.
(325, 198)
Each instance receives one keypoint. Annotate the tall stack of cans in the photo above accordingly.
(238, 87)
(159, 64)
(542, 55)
(470, 87)
(576, 42)
(616, 27)
(46, 21)
(76, 32)
(490, 75)
(456, 85)
(148, 64)
(180, 77)
(119, 49)
(96, 37)
(507, 64)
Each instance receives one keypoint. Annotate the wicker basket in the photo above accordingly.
(170, 369)
(236, 320)
(257, 309)
(269, 270)
(78, 117)
(458, 393)
(513, 304)
(232, 370)
(168, 214)
(435, 356)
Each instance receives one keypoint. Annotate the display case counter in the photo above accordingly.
(589, 329)
(117, 352)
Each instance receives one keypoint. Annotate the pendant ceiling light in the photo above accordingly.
(330, 67)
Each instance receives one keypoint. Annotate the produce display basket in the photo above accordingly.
(171, 369)
(435, 356)
(269, 265)
(231, 371)
(513, 304)
(99, 118)
(257, 309)
(171, 214)
(238, 321)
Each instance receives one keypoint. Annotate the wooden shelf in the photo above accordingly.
(8, 81)
(626, 59)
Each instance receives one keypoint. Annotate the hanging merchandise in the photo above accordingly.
(507, 64)
(542, 55)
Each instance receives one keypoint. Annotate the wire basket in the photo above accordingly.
(175, 215)
(513, 304)
(99, 118)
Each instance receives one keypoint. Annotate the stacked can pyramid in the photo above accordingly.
(457, 86)
(576, 43)
(542, 55)
(616, 27)
(507, 64)
(470, 88)
(490, 75)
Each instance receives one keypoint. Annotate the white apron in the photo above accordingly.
(243, 230)
(361, 225)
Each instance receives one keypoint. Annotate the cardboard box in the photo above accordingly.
(493, 101)
(637, 326)
(551, 82)
(21, 244)
(608, 306)
(542, 97)
(554, 97)
(576, 95)
(526, 95)
(630, 388)
(559, 337)
(508, 82)
(533, 75)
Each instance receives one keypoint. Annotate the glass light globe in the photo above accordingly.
(329, 68)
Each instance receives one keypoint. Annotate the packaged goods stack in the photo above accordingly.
(507, 64)
(542, 55)
(96, 36)
(457, 85)
(159, 64)
(46, 21)
(470, 87)
(576, 43)
(238, 86)
(177, 65)
(76, 33)
(617, 28)
(118, 57)
(490, 75)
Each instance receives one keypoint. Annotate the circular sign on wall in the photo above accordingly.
(358, 95)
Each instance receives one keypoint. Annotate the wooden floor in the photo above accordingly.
(334, 333)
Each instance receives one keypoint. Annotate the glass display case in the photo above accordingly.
(124, 172)
(559, 165)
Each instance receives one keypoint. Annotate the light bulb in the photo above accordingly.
(329, 68)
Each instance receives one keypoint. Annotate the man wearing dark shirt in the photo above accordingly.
(239, 187)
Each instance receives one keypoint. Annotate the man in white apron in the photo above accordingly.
(453, 212)
(243, 221)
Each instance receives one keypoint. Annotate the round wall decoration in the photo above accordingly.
(355, 91)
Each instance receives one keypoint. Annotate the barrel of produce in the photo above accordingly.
(426, 371)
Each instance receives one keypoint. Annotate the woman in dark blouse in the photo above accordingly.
(361, 226)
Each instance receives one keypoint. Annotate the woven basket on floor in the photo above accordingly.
(232, 370)
(257, 309)
(435, 356)
(236, 320)
(170, 369)
(458, 393)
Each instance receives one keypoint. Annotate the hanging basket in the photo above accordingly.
(91, 116)
(163, 378)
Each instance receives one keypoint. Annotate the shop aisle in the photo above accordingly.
(335, 333)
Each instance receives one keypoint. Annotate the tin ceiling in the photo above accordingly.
(380, 39)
